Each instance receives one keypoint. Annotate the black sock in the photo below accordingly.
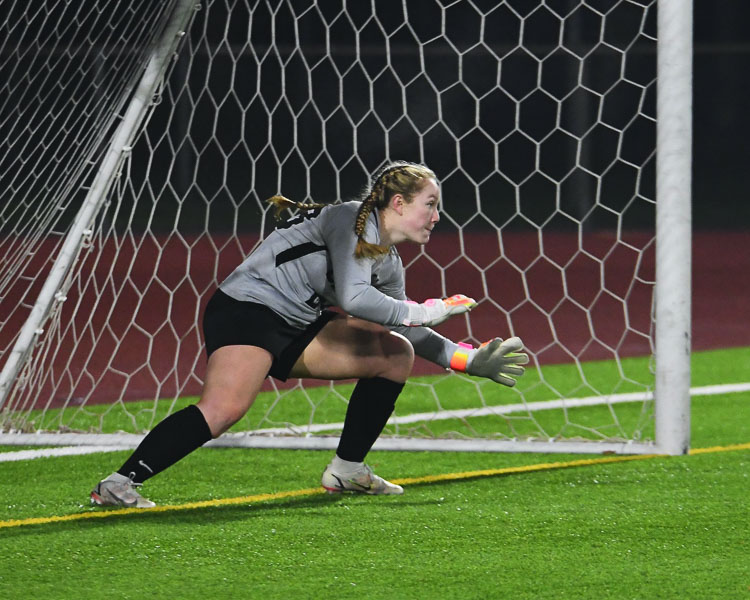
(172, 439)
(370, 406)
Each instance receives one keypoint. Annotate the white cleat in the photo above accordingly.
(118, 490)
(363, 481)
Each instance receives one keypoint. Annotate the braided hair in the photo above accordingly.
(402, 178)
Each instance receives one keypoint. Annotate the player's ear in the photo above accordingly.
(397, 203)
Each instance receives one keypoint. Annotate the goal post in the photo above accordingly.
(55, 286)
(561, 135)
(673, 225)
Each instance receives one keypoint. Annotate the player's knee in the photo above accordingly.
(221, 415)
(398, 357)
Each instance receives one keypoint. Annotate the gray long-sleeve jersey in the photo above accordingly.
(308, 264)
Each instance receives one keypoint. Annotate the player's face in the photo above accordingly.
(420, 216)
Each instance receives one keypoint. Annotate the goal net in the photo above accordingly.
(141, 139)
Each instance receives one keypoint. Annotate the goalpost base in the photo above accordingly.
(240, 440)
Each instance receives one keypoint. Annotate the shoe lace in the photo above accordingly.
(132, 483)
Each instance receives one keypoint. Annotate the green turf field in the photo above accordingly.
(253, 523)
(423, 395)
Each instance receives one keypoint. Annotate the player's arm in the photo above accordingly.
(498, 360)
(358, 297)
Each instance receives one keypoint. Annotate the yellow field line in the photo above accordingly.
(258, 498)
(96, 514)
(745, 446)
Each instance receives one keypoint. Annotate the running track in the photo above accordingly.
(526, 267)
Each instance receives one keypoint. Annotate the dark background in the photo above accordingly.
(721, 123)
(257, 121)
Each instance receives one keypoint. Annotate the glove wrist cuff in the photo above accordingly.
(460, 358)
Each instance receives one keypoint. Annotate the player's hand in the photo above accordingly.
(497, 360)
(435, 310)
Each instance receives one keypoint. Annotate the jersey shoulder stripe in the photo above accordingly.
(298, 251)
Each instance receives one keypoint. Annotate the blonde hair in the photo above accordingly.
(400, 177)
(279, 203)
(403, 178)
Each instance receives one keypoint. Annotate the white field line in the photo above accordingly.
(709, 390)
(64, 451)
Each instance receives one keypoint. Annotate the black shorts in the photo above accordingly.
(230, 322)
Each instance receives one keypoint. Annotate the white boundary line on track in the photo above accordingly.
(709, 390)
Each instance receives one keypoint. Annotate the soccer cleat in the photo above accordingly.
(363, 481)
(118, 490)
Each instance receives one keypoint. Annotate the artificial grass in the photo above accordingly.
(669, 528)
(327, 403)
(657, 528)
(665, 527)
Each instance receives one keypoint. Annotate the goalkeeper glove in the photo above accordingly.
(496, 360)
(434, 311)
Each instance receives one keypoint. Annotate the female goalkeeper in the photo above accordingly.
(269, 317)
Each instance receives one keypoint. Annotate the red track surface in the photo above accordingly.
(524, 280)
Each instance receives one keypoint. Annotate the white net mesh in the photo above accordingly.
(538, 118)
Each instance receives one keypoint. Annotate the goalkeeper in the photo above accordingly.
(271, 317)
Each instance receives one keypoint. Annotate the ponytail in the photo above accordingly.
(280, 203)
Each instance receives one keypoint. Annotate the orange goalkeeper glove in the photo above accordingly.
(496, 360)
(434, 311)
